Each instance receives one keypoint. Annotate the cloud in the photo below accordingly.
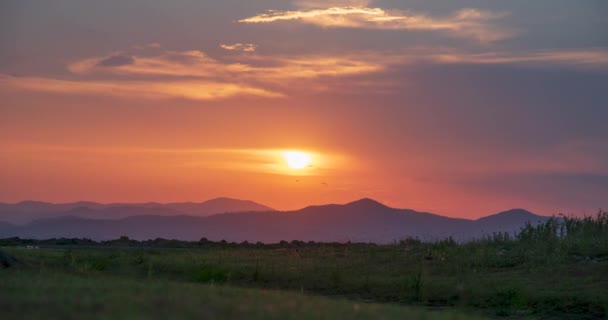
(245, 47)
(581, 57)
(190, 63)
(331, 3)
(264, 69)
(151, 45)
(183, 89)
(469, 23)
(595, 59)
(194, 75)
(116, 61)
(315, 66)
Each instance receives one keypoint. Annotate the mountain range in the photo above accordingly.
(364, 220)
(28, 211)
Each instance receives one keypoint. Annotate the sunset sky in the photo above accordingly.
(463, 108)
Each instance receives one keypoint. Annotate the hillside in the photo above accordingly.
(364, 220)
(28, 211)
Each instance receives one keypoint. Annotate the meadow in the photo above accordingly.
(557, 270)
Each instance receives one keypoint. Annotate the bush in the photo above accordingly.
(211, 274)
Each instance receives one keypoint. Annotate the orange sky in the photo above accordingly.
(447, 108)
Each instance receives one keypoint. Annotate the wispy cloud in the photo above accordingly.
(159, 73)
(244, 47)
(314, 66)
(197, 76)
(469, 23)
(190, 63)
(261, 69)
(116, 61)
(594, 57)
(317, 4)
(582, 58)
(184, 89)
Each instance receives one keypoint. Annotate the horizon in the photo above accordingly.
(463, 108)
(364, 220)
(579, 213)
(291, 210)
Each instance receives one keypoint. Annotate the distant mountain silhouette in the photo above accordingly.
(364, 220)
(509, 216)
(27, 211)
(217, 205)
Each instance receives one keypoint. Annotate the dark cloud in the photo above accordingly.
(116, 61)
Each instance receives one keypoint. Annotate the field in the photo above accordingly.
(553, 271)
(46, 295)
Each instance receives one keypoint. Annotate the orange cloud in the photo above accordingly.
(331, 3)
(197, 64)
(310, 67)
(469, 23)
(192, 89)
(245, 47)
(192, 74)
(169, 63)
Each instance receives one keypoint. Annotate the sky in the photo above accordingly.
(463, 108)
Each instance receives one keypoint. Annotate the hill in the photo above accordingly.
(28, 211)
(364, 220)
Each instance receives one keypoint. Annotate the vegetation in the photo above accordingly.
(556, 270)
(58, 295)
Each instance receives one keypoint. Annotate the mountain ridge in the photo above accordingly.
(363, 220)
(27, 211)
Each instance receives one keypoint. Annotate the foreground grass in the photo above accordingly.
(30, 294)
(500, 281)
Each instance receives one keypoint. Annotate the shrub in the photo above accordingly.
(211, 274)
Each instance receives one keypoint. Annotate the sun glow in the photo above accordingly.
(297, 159)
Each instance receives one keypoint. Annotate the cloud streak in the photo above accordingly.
(167, 63)
(258, 68)
(193, 89)
(467, 23)
(244, 47)
(116, 61)
(595, 57)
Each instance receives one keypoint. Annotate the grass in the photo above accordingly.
(25, 294)
(557, 270)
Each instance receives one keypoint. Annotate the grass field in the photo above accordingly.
(52, 295)
(548, 272)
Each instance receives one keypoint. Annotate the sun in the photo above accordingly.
(297, 159)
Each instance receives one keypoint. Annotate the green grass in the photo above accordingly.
(498, 280)
(29, 294)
